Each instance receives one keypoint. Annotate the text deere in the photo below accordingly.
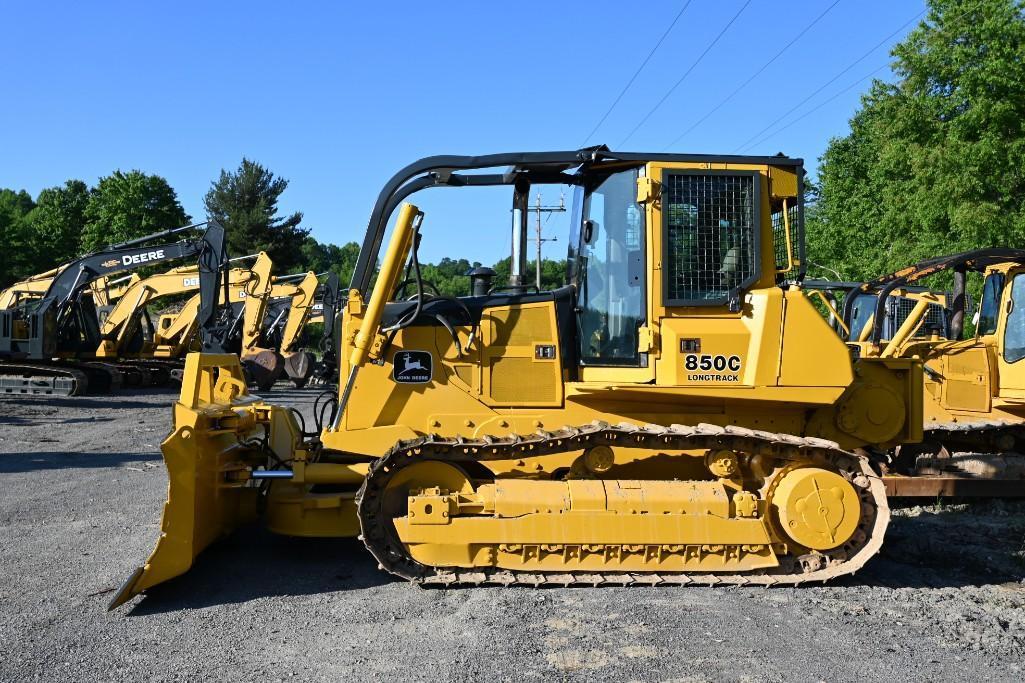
(132, 259)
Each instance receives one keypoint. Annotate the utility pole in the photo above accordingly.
(539, 209)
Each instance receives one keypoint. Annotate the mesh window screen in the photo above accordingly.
(779, 236)
(710, 235)
(933, 317)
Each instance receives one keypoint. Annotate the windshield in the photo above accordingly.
(989, 310)
(610, 267)
(861, 312)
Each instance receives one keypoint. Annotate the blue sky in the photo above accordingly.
(338, 96)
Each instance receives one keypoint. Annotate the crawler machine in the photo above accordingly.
(679, 412)
(833, 299)
(42, 337)
(974, 392)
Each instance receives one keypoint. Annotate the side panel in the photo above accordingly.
(520, 357)
(741, 349)
(967, 380)
(813, 355)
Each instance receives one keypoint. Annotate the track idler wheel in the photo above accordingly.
(263, 368)
(299, 367)
(817, 508)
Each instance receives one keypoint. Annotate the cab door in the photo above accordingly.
(611, 267)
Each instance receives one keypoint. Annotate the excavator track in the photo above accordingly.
(159, 372)
(20, 379)
(380, 538)
(103, 377)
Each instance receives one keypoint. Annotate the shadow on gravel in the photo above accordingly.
(29, 421)
(950, 547)
(254, 563)
(112, 402)
(56, 460)
(944, 549)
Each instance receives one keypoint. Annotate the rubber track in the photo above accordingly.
(379, 537)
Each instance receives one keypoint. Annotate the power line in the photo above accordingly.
(636, 73)
(819, 106)
(832, 80)
(685, 74)
(753, 76)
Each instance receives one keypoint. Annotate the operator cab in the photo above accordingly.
(652, 238)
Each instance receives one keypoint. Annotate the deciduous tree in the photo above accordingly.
(128, 205)
(933, 163)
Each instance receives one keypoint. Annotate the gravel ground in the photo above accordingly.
(83, 487)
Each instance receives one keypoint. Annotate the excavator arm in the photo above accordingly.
(55, 309)
(298, 363)
(122, 321)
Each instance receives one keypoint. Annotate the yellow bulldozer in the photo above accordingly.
(974, 388)
(677, 413)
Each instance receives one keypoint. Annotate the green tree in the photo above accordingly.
(245, 201)
(57, 223)
(17, 257)
(449, 276)
(933, 163)
(553, 273)
(321, 258)
(127, 205)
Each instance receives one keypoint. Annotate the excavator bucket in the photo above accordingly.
(208, 495)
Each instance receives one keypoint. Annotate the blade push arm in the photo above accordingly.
(391, 269)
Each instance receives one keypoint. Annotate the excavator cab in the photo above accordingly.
(677, 412)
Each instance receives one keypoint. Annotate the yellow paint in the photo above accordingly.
(301, 295)
(969, 380)
(627, 510)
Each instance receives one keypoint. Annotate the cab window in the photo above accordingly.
(862, 310)
(1014, 332)
(989, 310)
(710, 234)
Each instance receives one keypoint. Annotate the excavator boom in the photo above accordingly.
(41, 341)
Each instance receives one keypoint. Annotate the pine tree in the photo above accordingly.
(245, 201)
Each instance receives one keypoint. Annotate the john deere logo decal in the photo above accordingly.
(111, 263)
(412, 367)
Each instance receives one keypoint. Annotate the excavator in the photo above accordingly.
(677, 413)
(324, 313)
(104, 291)
(247, 293)
(290, 310)
(974, 388)
(127, 332)
(41, 337)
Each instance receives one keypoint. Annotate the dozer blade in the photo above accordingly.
(206, 499)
